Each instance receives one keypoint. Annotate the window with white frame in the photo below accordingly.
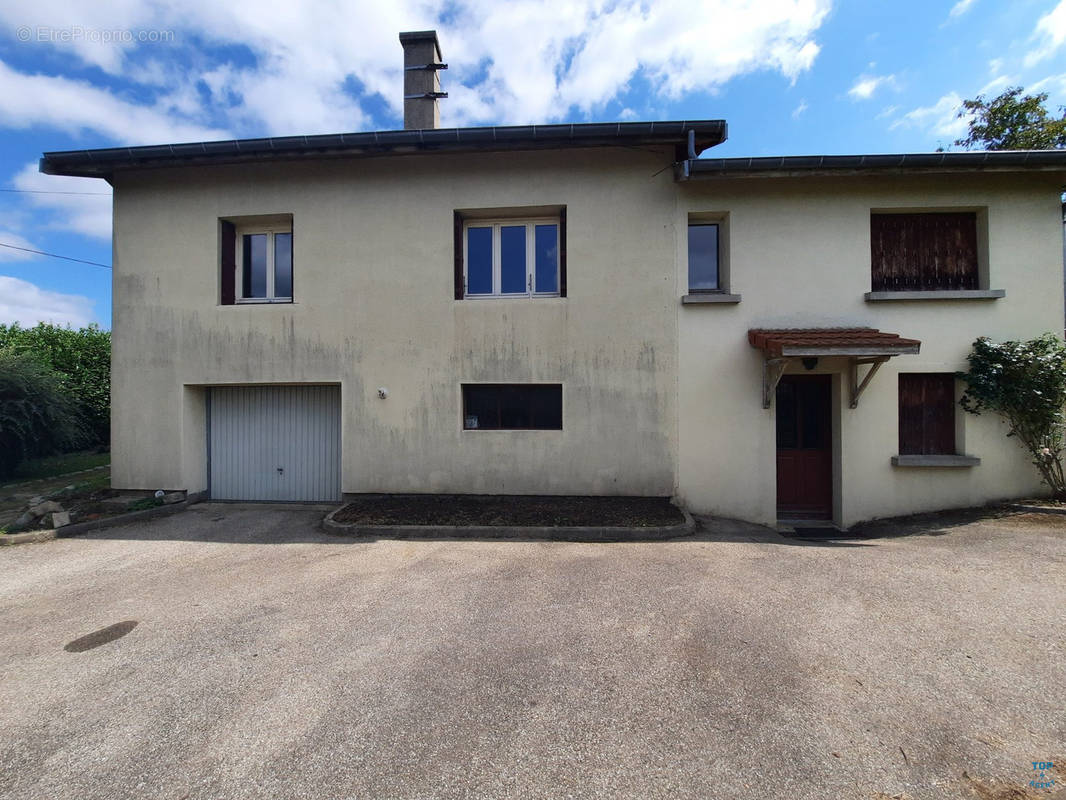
(511, 257)
(264, 263)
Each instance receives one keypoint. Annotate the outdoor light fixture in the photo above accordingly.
(810, 363)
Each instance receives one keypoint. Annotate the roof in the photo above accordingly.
(105, 162)
(801, 342)
(801, 166)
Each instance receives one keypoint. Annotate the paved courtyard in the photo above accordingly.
(271, 660)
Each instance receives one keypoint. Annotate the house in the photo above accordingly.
(569, 309)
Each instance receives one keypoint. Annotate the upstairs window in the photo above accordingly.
(521, 257)
(926, 251)
(927, 413)
(257, 261)
(703, 252)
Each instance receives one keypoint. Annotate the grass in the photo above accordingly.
(53, 466)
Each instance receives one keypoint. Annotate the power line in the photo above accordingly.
(54, 255)
(45, 191)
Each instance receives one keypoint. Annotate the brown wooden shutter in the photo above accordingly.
(926, 251)
(459, 281)
(228, 246)
(562, 252)
(927, 414)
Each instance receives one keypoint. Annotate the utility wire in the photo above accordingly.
(54, 255)
(45, 191)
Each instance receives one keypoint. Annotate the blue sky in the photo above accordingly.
(790, 76)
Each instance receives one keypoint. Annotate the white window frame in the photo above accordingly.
(269, 230)
(530, 224)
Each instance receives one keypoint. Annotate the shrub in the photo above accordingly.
(1025, 383)
(38, 415)
(82, 357)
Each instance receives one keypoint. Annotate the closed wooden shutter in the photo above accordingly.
(562, 252)
(927, 251)
(457, 222)
(927, 413)
(228, 246)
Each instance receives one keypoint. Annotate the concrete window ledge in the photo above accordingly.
(709, 297)
(945, 294)
(935, 461)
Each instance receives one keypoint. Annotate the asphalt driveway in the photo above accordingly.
(272, 660)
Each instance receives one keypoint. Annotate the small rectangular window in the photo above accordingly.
(512, 406)
(927, 413)
(511, 258)
(925, 251)
(703, 257)
(257, 264)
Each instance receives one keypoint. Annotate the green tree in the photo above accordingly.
(1025, 383)
(81, 357)
(1012, 121)
(38, 415)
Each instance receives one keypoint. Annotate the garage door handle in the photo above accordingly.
(281, 470)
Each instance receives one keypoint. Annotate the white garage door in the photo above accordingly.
(279, 443)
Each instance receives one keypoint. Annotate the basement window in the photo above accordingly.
(256, 258)
(513, 406)
(510, 257)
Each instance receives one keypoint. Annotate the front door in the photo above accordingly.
(804, 447)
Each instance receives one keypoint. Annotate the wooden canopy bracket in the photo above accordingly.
(772, 370)
(858, 387)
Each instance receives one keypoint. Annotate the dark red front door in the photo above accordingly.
(804, 447)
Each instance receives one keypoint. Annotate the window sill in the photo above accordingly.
(935, 461)
(938, 294)
(261, 301)
(699, 298)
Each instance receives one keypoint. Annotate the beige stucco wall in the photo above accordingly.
(799, 255)
(374, 307)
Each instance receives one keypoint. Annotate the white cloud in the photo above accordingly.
(939, 118)
(27, 304)
(88, 214)
(960, 8)
(539, 59)
(866, 85)
(74, 106)
(1049, 34)
(10, 254)
(797, 112)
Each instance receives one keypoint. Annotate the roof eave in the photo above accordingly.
(103, 163)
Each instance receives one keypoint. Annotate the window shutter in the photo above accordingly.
(458, 223)
(933, 250)
(562, 252)
(927, 414)
(228, 246)
(940, 414)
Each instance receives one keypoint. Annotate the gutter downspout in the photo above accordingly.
(692, 155)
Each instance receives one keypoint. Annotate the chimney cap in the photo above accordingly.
(410, 37)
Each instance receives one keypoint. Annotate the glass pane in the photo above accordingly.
(546, 248)
(282, 265)
(254, 279)
(702, 257)
(513, 259)
(481, 407)
(479, 260)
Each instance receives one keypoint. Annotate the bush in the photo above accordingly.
(38, 415)
(1025, 383)
(82, 357)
